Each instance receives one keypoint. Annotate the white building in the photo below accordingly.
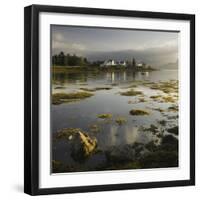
(123, 63)
(108, 63)
(141, 65)
(113, 63)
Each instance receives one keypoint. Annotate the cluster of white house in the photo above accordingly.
(111, 62)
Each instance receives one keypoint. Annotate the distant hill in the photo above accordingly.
(173, 65)
(153, 57)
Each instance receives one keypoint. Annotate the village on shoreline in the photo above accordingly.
(63, 61)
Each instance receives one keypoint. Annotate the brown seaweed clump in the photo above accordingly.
(120, 120)
(131, 93)
(59, 98)
(105, 116)
(139, 112)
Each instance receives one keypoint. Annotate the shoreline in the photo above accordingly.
(63, 69)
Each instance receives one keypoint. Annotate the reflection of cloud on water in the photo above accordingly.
(123, 135)
(133, 134)
(130, 134)
(113, 136)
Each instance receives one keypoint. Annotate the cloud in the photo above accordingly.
(98, 44)
(76, 46)
(60, 43)
(157, 56)
(58, 37)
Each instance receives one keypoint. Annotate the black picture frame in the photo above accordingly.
(31, 98)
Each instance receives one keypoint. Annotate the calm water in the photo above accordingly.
(83, 114)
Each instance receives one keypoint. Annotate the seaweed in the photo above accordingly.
(168, 99)
(162, 122)
(104, 116)
(95, 89)
(59, 98)
(57, 166)
(173, 130)
(66, 133)
(139, 112)
(152, 128)
(173, 108)
(120, 120)
(131, 93)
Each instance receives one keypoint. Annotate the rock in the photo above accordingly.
(120, 154)
(152, 128)
(120, 120)
(169, 139)
(67, 133)
(169, 143)
(173, 130)
(83, 146)
(70, 137)
(88, 144)
(159, 159)
(161, 156)
(56, 166)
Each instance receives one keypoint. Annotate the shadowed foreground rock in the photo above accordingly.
(120, 154)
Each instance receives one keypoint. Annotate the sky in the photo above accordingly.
(153, 47)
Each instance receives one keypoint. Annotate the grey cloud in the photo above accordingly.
(153, 47)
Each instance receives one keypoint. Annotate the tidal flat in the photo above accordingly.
(114, 120)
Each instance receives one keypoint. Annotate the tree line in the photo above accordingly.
(69, 60)
(73, 60)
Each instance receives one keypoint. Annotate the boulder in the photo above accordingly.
(121, 154)
(83, 146)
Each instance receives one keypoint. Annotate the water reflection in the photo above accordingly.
(108, 77)
(82, 114)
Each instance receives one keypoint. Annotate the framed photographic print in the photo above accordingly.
(109, 99)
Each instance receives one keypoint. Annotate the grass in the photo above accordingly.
(59, 98)
(105, 116)
(131, 93)
(139, 112)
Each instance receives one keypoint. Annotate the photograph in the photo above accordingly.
(114, 99)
